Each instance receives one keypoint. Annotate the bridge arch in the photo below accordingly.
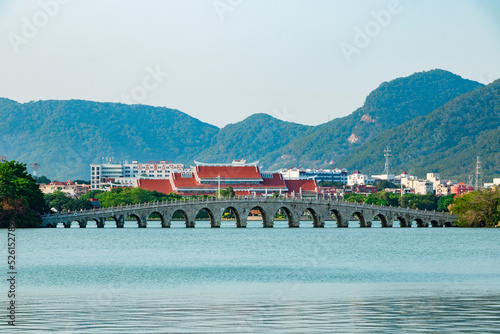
(264, 214)
(314, 216)
(150, 217)
(403, 221)
(184, 215)
(140, 222)
(111, 218)
(421, 223)
(200, 214)
(288, 215)
(384, 221)
(339, 219)
(435, 223)
(361, 219)
(237, 217)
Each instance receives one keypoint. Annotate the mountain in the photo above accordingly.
(252, 138)
(64, 137)
(447, 140)
(388, 106)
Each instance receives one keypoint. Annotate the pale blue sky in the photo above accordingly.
(228, 59)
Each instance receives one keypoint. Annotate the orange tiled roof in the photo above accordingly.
(162, 186)
(306, 185)
(228, 172)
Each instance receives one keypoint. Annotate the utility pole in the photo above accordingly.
(218, 186)
(387, 155)
(478, 174)
(401, 193)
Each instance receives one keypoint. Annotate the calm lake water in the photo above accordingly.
(255, 280)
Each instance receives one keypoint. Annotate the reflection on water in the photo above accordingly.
(110, 311)
(256, 280)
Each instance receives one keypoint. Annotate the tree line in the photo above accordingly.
(22, 203)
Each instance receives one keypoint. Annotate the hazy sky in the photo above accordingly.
(223, 60)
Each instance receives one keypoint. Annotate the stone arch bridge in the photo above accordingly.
(320, 210)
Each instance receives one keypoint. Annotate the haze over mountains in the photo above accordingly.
(433, 121)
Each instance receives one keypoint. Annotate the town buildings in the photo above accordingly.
(461, 188)
(126, 174)
(245, 179)
(69, 188)
(357, 178)
(3, 159)
(336, 175)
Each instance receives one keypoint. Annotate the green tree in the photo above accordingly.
(478, 208)
(358, 198)
(42, 179)
(444, 202)
(62, 202)
(21, 201)
(228, 192)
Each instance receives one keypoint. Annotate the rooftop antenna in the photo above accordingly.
(478, 174)
(387, 155)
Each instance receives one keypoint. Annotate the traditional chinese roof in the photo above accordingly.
(160, 185)
(228, 172)
(306, 185)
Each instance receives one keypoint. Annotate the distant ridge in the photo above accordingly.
(64, 137)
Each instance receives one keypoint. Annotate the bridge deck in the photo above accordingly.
(319, 208)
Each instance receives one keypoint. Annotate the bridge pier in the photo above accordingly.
(120, 222)
(142, 222)
(388, 222)
(190, 223)
(214, 222)
(166, 221)
(320, 222)
(242, 222)
(319, 210)
(343, 223)
(294, 221)
(267, 222)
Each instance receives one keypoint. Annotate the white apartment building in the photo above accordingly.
(319, 174)
(3, 158)
(126, 174)
(357, 179)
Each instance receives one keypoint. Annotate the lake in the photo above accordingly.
(255, 280)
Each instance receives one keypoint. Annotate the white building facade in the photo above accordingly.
(126, 174)
(357, 179)
(336, 175)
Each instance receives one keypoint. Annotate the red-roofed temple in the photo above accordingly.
(244, 179)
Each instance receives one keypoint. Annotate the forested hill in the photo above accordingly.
(448, 140)
(252, 138)
(64, 137)
(388, 106)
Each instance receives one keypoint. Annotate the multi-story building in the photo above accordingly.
(69, 188)
(126, 174)
(461, 188)
(3, 158)
(357, 179)
(336, 175)
(245, 179)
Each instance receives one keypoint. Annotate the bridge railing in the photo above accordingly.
(313, 200)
